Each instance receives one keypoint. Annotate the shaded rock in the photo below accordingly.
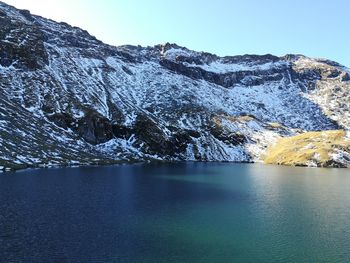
(225, 79)
(231, 138)
(21, 45)
(94, 128)
(151, 137)
(62, 120)
(122, 131)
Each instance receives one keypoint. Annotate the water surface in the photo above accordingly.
(187, 212)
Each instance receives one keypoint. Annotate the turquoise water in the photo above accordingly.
(187, 212)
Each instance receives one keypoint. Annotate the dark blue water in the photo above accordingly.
(189, 212)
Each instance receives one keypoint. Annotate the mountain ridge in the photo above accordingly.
(96, 103)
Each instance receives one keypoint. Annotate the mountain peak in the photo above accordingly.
(67, 98)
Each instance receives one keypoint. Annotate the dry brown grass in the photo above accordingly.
(306, 148)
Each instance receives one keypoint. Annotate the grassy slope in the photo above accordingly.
(310, 148)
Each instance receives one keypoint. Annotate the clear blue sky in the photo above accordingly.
(316, 28)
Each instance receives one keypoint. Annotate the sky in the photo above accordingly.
(315, 28)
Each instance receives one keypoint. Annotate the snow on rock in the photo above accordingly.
(222, 68)
(71, 99)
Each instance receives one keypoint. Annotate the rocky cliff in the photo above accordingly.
(67, 98)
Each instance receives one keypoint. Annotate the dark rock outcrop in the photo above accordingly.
(226, 79)
(22, 44)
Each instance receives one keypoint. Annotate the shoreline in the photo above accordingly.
(4, 169)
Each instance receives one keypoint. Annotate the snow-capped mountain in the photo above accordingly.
(68, 98)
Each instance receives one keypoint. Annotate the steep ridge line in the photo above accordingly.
(67, 98)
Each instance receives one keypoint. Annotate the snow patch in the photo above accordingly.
(223, 68)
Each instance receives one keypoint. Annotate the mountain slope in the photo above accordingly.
(66, 98)
(324, 148)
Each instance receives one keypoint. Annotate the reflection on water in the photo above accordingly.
(187, 212)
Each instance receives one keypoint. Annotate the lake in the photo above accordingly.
(175, 212)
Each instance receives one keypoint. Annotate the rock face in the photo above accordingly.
(68, 98)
